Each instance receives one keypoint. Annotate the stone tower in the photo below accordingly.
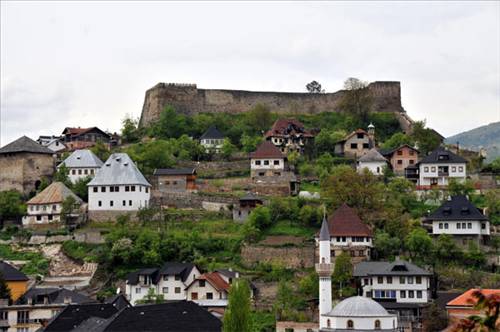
(324, 270)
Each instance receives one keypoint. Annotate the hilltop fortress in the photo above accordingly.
(188, 99)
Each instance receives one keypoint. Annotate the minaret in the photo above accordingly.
(324, 270)
(371, 133)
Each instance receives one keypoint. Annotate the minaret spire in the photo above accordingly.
(324, 270)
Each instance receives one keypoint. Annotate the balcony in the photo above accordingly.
(324, 269)
(443, 173)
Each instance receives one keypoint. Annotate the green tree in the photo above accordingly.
(426, 139)
(4, 289)
(446, 249)
(237, 316)
(130, 129)
(227, 149)
(260, 217)
(492, 200)
(386, 246)
(11, 205)
(259, 118)
(456, 187)
(474, 257)
(250, 143)
(314, 87)
(151, 298)
(80, 188)
(310, 216)
(419, 244)
(170, 124)
(62, 175)
(69, 205)
(434, 318)
(309, 285)
(101, 151)
(342, 272)
(396, 140)
(293, 159)
(44, 183)
(326, 139)
(357, 98)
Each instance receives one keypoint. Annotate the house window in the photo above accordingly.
(483, 225)
(353, 253)
(411, 294)
(73, 171)
(257, 162)
(127, 188)
(177, 290)
(440, 225)
(117, 189)
(210, 296)
(202, 283)
(463, 225)
(50, 217)
(360, 136)
(111, 189)
(354, 145)
(366, 146)
(412, 152)
(445, 225)
(426, 169)
(418, 280)
(419, 294)
(79, 172)
(400, 162)
(377, 325)
(389, 280)
(138, 290)
(276, 162)
(350, 324)
(38, 218)
(367, 281)
(23, 317)
(103, 189)
(96, 189)
(86, 172)
(458, 225)
(401, 280)
(343, 239)
(165, 277)
(165, 290)
(92, 171)
(132, 188)
(262, 173)
(99, 203)
(173, 182)
(177, 277)
(453, 168)
(469, 225)
(460, 168)
(328, 324)
(361, 253)
(400, 153)
(147, 190)
(433, 168)
(402, 294)
(412, 161)
(410, 280)
(277, 173)
(54, 207)
(266, 162)
(130, 203)
(380, 280)
(110, 203)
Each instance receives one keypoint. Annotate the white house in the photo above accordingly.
(398, 281)
(373, 161)
(355, 313)
(267, 160)
(81, 164)
(212, 140)
(46, 207)
(118, 186)
(53, 143)
(170, 281)
(438, 167)
(209, 290)
(459, 217)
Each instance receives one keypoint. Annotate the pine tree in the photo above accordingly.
(4, 289)
(237, 316)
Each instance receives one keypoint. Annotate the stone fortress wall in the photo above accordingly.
(188, 99)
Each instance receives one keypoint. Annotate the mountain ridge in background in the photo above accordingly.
(487, 137)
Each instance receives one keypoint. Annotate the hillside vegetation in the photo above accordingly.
(487, 137)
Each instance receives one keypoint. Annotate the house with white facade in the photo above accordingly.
(54, 143)
(438, 167)
(267, 160)
(81, 164)
(398, 286)
(118, 186)
(458, 217)
(170, 281)
(46, 206)
(212, 140)
(373, 161)
(209, 290)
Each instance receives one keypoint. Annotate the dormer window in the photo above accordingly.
(465, 210)
(400, 267)
(447, 210)
(443, 157)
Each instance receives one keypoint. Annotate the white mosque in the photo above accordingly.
(355, 313)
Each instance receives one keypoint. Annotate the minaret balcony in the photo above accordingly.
(324, 269)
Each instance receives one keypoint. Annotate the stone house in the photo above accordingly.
(175, 180)
(401, 157)
(357, 143)
(46, 206)
(81, 164)
(212, 140)
(373, 161)
(24, 163)
(83, 138)
(460, 218)
(245, 206)
(289, 135)
(438, 167)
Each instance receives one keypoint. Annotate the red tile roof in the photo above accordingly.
(267, 150)
(286, 127)
(346, 222)
(467, 299)
(215, 280)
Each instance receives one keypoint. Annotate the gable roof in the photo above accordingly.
(56, 192)
(468, 299)
(185, 316)
(173, 268)
(457, 208)
(442, 156)
(287, 127)
(346, 222)
(74, 315)
(119, 169)
(54, 296)
(72, 131)
(25, 144)
(371, 156)
(212, 133)
(10, 273)
(355, 132)
(174, 171)
(389, 153)
(396, 268)
(267, 149)
(214, 279)
(82, 158)
(249, 196)
(133, 277)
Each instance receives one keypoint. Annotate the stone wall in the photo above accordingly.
(22, 171)
(193, 200)
(85, 237)
(110, 215)
(188, 99)
(289, 256)
(217, 169)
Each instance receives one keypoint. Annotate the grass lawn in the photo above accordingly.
(286, 228)
(309, 186)
(37, 263)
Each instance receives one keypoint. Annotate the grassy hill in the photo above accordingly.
(487, 137)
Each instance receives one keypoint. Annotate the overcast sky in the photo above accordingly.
(90, 63)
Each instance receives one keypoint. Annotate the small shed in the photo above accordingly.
(175, 180)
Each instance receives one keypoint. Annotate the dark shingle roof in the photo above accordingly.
(442, 156)
(324, 234)
(250, 197)
(396, 268)
(457, 208)
(173, 268)
(180, 316)
(346, 222)
(267, 150)
(174, 171)
(54, 296)
(75, 314)
(25, 144)
(212, 133)
(287, 127)
(10, 273)
(133, 277)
